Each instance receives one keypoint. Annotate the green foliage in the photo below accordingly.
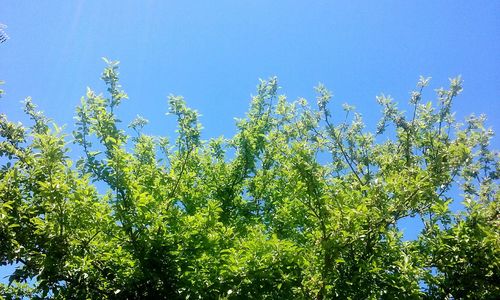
(307, 207)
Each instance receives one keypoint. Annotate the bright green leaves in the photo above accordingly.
(301, 203)
(324, 96)
(110, 77)
(467, 256)
(41, 122)
(138, 123)
(262, 266)
(13, 135)
(189, 129)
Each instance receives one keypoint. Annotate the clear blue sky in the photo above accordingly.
(213, 52)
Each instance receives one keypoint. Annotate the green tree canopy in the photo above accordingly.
(302, 203)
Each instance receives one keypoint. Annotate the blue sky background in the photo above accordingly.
(213, 52)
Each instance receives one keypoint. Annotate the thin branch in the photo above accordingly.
(341, 147)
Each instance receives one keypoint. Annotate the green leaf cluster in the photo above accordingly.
(302, 203)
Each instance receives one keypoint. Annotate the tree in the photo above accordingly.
(273, 220)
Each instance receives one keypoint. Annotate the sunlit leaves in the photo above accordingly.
(302, 203)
